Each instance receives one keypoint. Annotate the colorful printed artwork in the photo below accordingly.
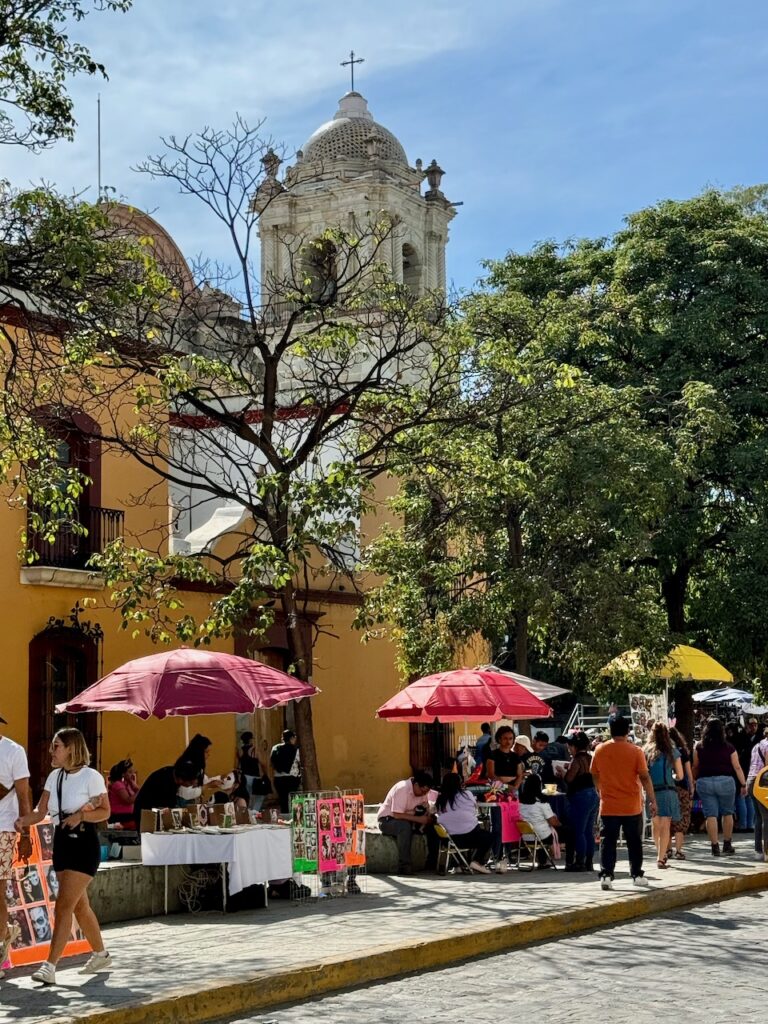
(31, 897)
(304, 824)
(354, 820)
(331, 834)
(328, 833)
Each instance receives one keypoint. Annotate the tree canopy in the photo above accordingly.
(38, 56)
(657, 459)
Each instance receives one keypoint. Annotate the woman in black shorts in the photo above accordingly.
(75, 796)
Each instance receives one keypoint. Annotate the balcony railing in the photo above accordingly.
(72, 550)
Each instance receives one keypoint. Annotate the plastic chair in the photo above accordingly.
(449, 852)
(530, 841)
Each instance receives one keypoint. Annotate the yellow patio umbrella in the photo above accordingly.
(682, 662)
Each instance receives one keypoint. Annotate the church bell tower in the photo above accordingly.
(349, 173)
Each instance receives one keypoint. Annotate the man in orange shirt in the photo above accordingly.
(620, 774)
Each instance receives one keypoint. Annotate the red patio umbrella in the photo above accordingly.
(463, 695)
(187, 681)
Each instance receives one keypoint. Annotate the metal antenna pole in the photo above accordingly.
(98, 143)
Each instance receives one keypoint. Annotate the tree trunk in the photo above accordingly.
(520, 634)
(674, 587)
(302, 709)
(521, 643)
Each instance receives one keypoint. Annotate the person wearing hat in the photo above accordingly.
(15, 799)
(524, 750)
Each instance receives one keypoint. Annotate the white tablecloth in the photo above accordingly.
(255, 856)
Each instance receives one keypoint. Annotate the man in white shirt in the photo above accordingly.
(15, 801)
(404, 809)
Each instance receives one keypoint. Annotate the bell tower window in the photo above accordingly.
(320, 270)
(411, 269)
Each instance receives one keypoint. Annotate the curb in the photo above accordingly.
(269, 989)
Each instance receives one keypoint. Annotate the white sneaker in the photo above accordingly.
(502, 867)
(606, 883)
(96, 962)
(641, 882)
(46, 973)
(481, 869)
(759, 856)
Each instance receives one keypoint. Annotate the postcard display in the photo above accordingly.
(646, 708)
(31, 897)
(328, 832)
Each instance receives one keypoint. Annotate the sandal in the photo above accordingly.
(662, 863)
(679, 855)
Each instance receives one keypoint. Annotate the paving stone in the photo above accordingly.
(153, 956)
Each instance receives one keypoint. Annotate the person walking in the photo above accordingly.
(619, 770)
(738, 738)
(286, 762)
(679, 827)
(75, 796)
(583, 802)
(15, 800)
(665, 768)
(715, 763)
(760, 816)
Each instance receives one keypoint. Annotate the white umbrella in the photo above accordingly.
(544, 691)
(722, 695)
(754, 709)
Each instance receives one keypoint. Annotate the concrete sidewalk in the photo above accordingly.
(185, 968)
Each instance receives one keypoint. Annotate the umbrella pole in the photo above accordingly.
(186, 731)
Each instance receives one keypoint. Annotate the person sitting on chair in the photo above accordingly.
(457, 813)
(406, 809)
(538, 814)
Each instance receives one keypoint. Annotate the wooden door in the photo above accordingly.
(62, 662)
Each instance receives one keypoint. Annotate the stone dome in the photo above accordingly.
(348, 135)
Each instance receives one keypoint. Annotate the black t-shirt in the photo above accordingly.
(505, 763)
(159, 790)
(536, 764)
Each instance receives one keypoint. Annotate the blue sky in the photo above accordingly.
(551, 118)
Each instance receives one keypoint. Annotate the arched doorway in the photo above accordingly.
(63, 660)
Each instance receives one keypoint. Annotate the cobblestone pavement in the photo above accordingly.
(643, 972)
(154, 956)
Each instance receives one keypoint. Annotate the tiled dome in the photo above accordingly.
(348, 134)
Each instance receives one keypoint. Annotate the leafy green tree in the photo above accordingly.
(38, 57)
(514, 521)
(285, 410)
(669, 315)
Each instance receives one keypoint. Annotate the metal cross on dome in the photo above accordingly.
(351, 65)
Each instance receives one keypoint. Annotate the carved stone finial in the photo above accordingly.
(434, 175)
(271, 164)
(373, 147)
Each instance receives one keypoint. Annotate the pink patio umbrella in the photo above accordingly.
(464, 695)
(188, 681)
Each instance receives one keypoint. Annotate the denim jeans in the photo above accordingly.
(745, 811)
(582, 807)
(717, 794)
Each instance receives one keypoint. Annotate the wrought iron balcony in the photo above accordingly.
(72, 550)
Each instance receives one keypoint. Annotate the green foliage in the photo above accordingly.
(37, 58)
(619, 500)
